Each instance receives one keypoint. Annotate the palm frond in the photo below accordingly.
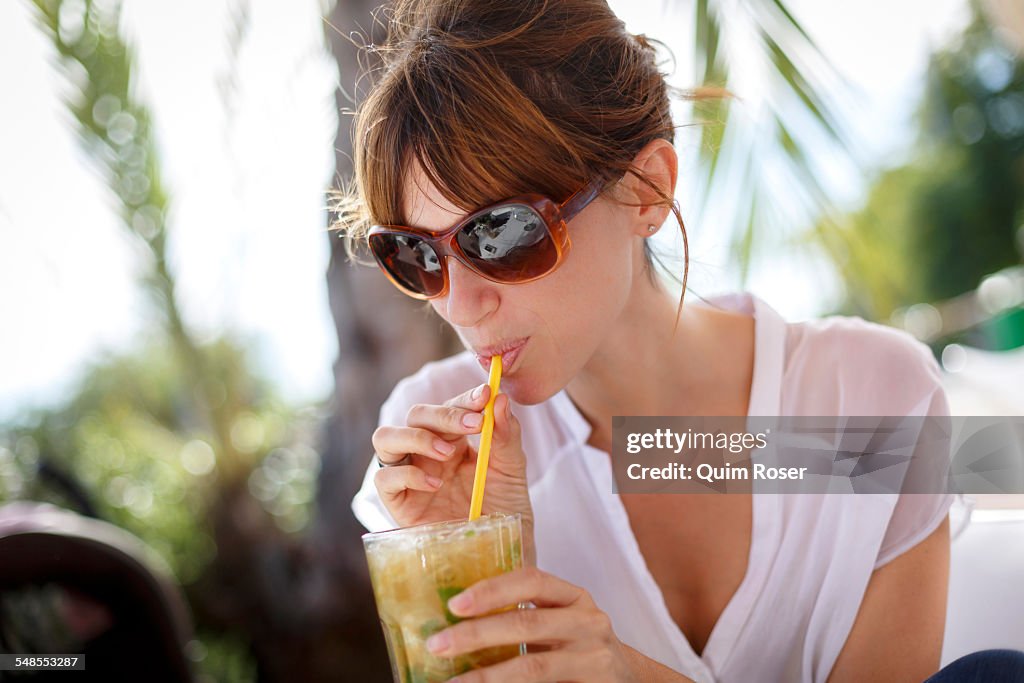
(115, 126)
(795, 115)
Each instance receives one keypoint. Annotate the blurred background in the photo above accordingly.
(186, 358)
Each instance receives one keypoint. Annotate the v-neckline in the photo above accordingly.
(765, 395)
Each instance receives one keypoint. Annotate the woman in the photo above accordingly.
(480, 101)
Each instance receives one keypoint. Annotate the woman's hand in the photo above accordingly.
(437, 484)
(578, 637)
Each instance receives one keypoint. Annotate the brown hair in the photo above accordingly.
(495, 98)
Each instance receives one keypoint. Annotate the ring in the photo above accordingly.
(404, 461)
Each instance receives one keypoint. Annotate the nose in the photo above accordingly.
(470, 298)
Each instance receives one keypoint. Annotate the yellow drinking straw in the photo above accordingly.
(479, 478)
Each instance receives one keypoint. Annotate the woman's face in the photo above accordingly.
(546, 330)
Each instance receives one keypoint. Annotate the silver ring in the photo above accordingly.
(404, 461)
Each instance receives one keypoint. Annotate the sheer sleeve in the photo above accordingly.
(916, 515)
(366, 505)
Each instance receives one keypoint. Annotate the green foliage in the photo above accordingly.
(130, 439)
(179, 442)
(224, 658)
(932, 228)
(969, 213)
(112, 123)
(128, 447)
(114, 126)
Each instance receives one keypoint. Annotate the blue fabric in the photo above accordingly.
(986, 666)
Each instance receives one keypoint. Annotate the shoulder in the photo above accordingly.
(871, 366)
(854, 341)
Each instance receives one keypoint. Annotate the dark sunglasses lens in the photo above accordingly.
(410, 261)
(510, 243)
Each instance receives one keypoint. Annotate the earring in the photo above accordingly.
(652, 228)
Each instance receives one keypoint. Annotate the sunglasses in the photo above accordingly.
(514, 241)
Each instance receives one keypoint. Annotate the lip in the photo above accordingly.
(509, 351)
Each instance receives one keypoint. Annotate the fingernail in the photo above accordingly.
(472, 420)
(443, 447)
(460, 603)
(434, 481)
(439, 642)
(477, 392)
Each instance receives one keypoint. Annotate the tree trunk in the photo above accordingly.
(382, 336)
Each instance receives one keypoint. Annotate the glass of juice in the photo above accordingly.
(415, 570)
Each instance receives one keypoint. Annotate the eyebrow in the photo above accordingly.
(456, 218)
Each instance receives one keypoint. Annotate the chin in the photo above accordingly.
(529, 391)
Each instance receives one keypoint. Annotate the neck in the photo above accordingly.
(646, 365)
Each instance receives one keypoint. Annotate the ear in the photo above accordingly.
(659, 163)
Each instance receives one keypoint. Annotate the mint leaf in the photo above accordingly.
(446, 593)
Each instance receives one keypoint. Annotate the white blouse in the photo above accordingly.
(811, 555)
